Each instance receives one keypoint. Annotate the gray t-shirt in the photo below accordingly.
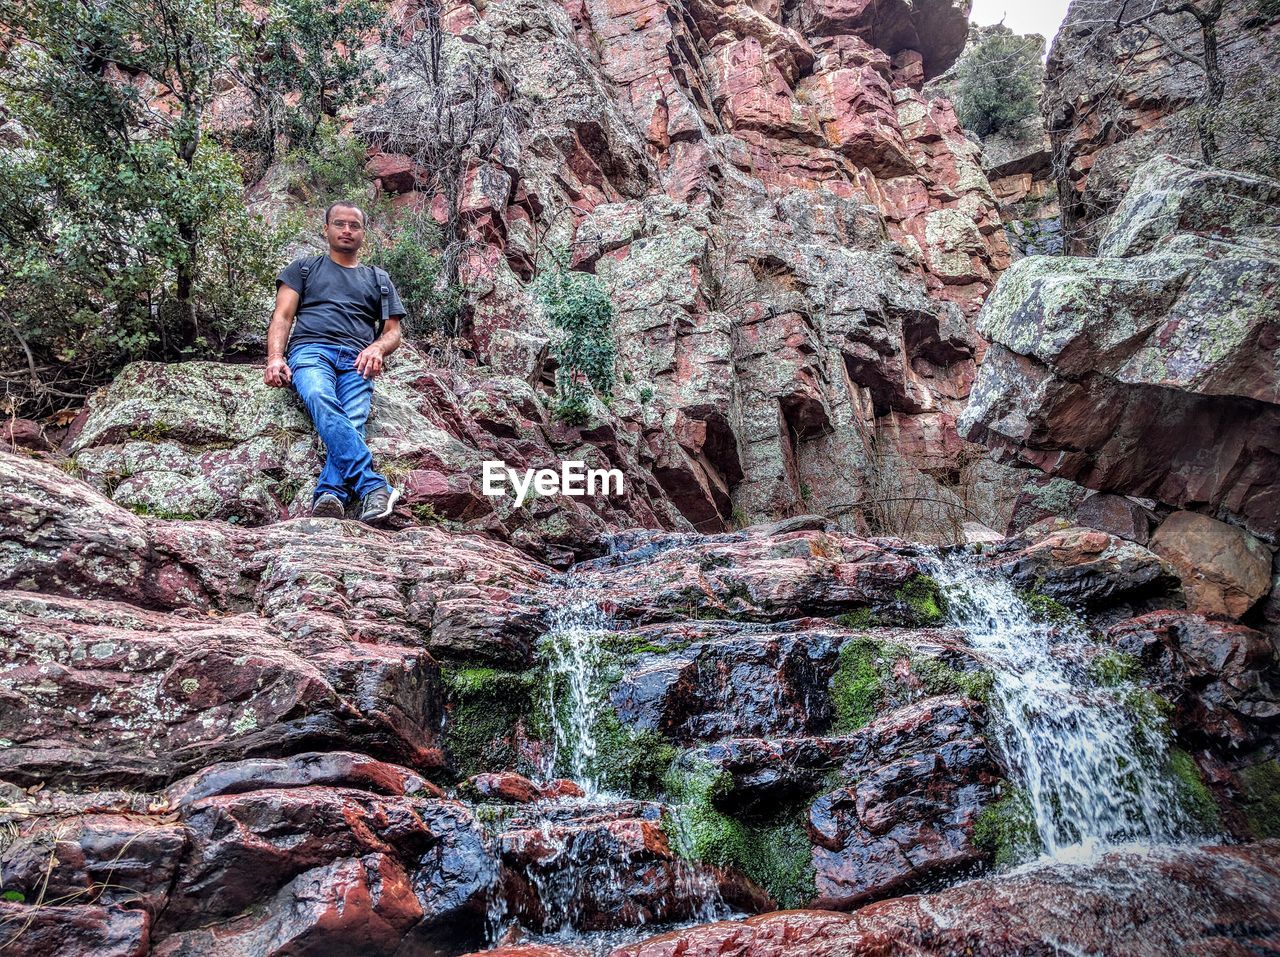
(341, 305)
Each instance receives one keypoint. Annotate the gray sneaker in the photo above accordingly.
(377, 505)
(328, 506)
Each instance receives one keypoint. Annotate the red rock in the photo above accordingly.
(332, 768)
(562, 788)
(73, 931)
(1085, 565)
(1173, 900)
(23, 433)
(918, 778)
(606, 869)
(505, 786)
(1224, 569)
(1216, 674)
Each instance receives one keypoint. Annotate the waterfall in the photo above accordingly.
(1092, 755)
(575, 657)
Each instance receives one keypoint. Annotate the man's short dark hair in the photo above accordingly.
(345, 205)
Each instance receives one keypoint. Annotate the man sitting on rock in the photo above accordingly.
(348, 322)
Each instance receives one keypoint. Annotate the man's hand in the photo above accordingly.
(277, 374)
(369, 362)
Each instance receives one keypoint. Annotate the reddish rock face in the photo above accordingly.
(917, 780)
(1211, 900)
(69, 931)
(1117, 516)
(1224, 570)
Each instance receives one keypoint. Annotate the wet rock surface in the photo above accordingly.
(1214, 900)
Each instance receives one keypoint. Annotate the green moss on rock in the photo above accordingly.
(923, 599)
(1194, 796)
(1007, 829)
(775, 854)
(1112, 668)
(628, 761)
(857, 687)
(863, 679)
(1261, 799)
(485, 707)
(858, 619)
(1043, 608)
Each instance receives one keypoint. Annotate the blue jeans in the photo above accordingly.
(338, 399)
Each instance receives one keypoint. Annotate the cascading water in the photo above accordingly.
(572, 832)
(574, 656)
(1093, 755)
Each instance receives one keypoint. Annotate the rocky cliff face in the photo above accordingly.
(795, 237)
(1122, 86)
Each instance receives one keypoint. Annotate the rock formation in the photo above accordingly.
(1123, 85)
(1150, 370)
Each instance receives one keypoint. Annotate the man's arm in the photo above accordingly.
(277, 373)
(369, 362)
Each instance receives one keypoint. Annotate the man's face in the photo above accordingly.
(345, 230)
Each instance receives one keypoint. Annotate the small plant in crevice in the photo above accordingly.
(578, 306)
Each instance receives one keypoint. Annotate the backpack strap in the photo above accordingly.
(384, 291)
(307, 265)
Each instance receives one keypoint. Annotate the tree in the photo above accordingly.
(130, 236)
(997, 81)
(313, 49)
(1148, 14)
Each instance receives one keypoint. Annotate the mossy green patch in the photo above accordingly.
(1112, 668)
(165, 514)
(863, 679)
(857, 686)
(1261, 798)
(858, 619)
(1193, 795)
(923, 600)
(1043, 608)
(629, 761)
(775, 853)
(1007, 829)
(485, 707)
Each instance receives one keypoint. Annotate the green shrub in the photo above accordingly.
(579, 307)
(997, 81)
(328, 167)
(411, 256)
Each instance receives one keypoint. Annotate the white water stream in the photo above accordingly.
(1092, 756)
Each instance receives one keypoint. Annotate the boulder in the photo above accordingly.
(610, 866)
(1224, 569)
(107, 693)
(1084, 565)
(1219, 676)
(1145, 371)
(1116, 515)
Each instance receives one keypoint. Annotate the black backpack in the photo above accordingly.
(379, 276)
